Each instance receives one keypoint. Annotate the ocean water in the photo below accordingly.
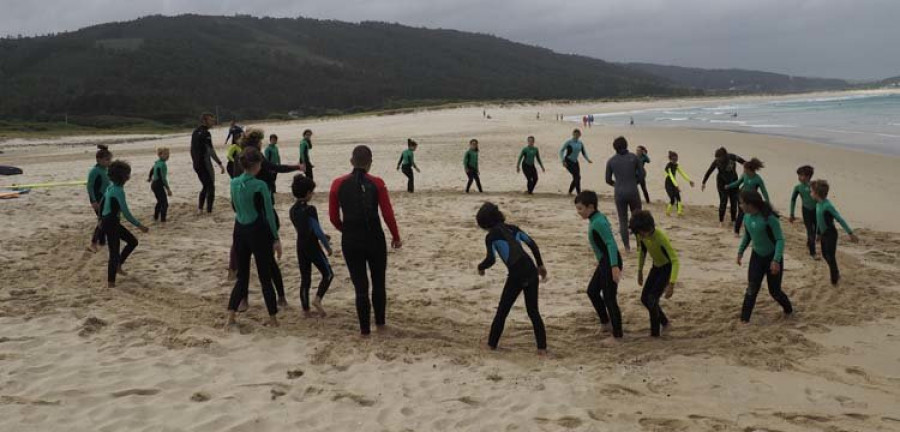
(868, 122)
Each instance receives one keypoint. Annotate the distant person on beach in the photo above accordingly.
(643, 156)
(763, 230)
(234, 133)
(726, 165)
(353, 206)
(631, 122)
(201, 152)
(826, 214)
(624, 171)
(672, 188)
(115, 206)
(527, 157)
(97, 183)
(506, 241)
(159, 184)
(305, 147)
(470, 164)
(538, 115)
(664, 274)
(604, 284)
(231, 154)
(808, 206)
(255, 234)
(569, 153)
(407, 163)
(309, 237)
(272, 154)
(584, 121)
(749, 181)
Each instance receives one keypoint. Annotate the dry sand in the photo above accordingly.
(150, 354)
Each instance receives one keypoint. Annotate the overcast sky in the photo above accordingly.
(854, 39)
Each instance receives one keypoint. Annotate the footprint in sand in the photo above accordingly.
(567, 422)
(135, 392)
(663, 424)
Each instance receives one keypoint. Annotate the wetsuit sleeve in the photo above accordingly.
(837, 217)
(537, 156)
(584, 152)
(735, 184)
(683, 175)
(820, 218)
(525, 238)
(400, 161)
(609, 173)
(490, 259)
(646, 159)
(612, 249)
(91, 185)
(745, 241)
(229, 136)
(269, 209)
(639, 169)
(562, 151)
(737, 159)
(150, 174)
(794, 196)
(317, 230)
(212, 153)
(762, 188)
(671, 176)
(672, 254)
(334, 208)
(521, 156)
(712, 167)
(642, 254)
(779, 237)
(123, 207)
(466, 161)
(387, 211)
(281, 168)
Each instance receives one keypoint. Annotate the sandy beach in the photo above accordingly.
(151, 355)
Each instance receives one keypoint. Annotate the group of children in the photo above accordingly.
(358, 197)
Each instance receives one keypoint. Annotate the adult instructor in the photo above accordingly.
(624, 172)
(201, 152)
(353, 205)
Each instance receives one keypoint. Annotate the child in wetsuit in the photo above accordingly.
(645, 159)
(470, 163)
(506, 240)
(97, 182)
(114, 204)
(527, 157)
(763, 230)
(826, 214)
(309, 235)
(159, 184)
(672, 189)
(604, 285)
(407, 162)
(231, 154)
(661, 280)
(802, 190)
(749, 181)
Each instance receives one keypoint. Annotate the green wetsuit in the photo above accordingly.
(114, 204)
(529, 154)
(803, 191)
(160, 172)
(764, 234)
(470, 160)
(271, 154)
(247, 192)
(747, 183)
(97, 183)
(661, 252)
(407, 158)
(602, 240)
(826, 214)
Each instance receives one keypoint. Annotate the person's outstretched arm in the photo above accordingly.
(334, 205)
(837, 216)
(387, 211)
(525, 238)
(490, 259)
(712, 167)
(609, 174)
(537, 156)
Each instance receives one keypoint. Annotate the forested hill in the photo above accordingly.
(169, 68)
(737, 80)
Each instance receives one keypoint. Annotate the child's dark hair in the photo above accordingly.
(473, 141)
(642, 148)
(273, 137)
(103, 152)
(252, 138)
(806, 171)
(620, 144)
(249, 157)
(721, 153)
(587, 198)
(489, 216)
(756, 200)
(576, 131)
(119, 172)
(302, 186)
(641, 222)
(410, 143)
(754, 164)
(530, 138)
(820, 187)
(672, 154)
(361, 156)
(307, 132)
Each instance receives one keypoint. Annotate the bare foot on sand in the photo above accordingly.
(122, 271)
(245, 304)
(272, 322)
(317, 303)
(611, 341)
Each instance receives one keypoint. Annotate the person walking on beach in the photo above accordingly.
(604, 284)
(159, 184)
(826, 214)
(114, 207)
(305, 146)
(506, 240)
(624, 171)
(808, 207)
(201, 152)
(749, 181)
(353, 205)
(97, 183)
(309, 251)
(726, 165)
(235, 133)
(642, 154)
(470, 164)
(407, 163)
(661, 280)
(672, 188)
(569, 153)
(527, 157)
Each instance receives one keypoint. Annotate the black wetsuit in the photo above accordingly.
(309, 252)
(727, 173)
(505, 240)
(201, 152)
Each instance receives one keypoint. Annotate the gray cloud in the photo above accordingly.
(830, 38)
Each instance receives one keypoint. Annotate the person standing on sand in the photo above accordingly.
(201, 152)
(527, 157)
(407, 163)
(470, 164)
(97, 183)
(826, 214)
(234, 133)
(749, 181)
(353, 205)
(115, 206)
(642, 154)
(604, 284)
(569, 155)
(624, 171)
(305, 146)
(726, 164)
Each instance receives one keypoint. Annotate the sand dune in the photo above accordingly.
(150, 354)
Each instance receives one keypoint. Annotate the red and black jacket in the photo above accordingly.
(353, 205)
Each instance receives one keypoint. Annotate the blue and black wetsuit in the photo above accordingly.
(506, 241)
(309, 253)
